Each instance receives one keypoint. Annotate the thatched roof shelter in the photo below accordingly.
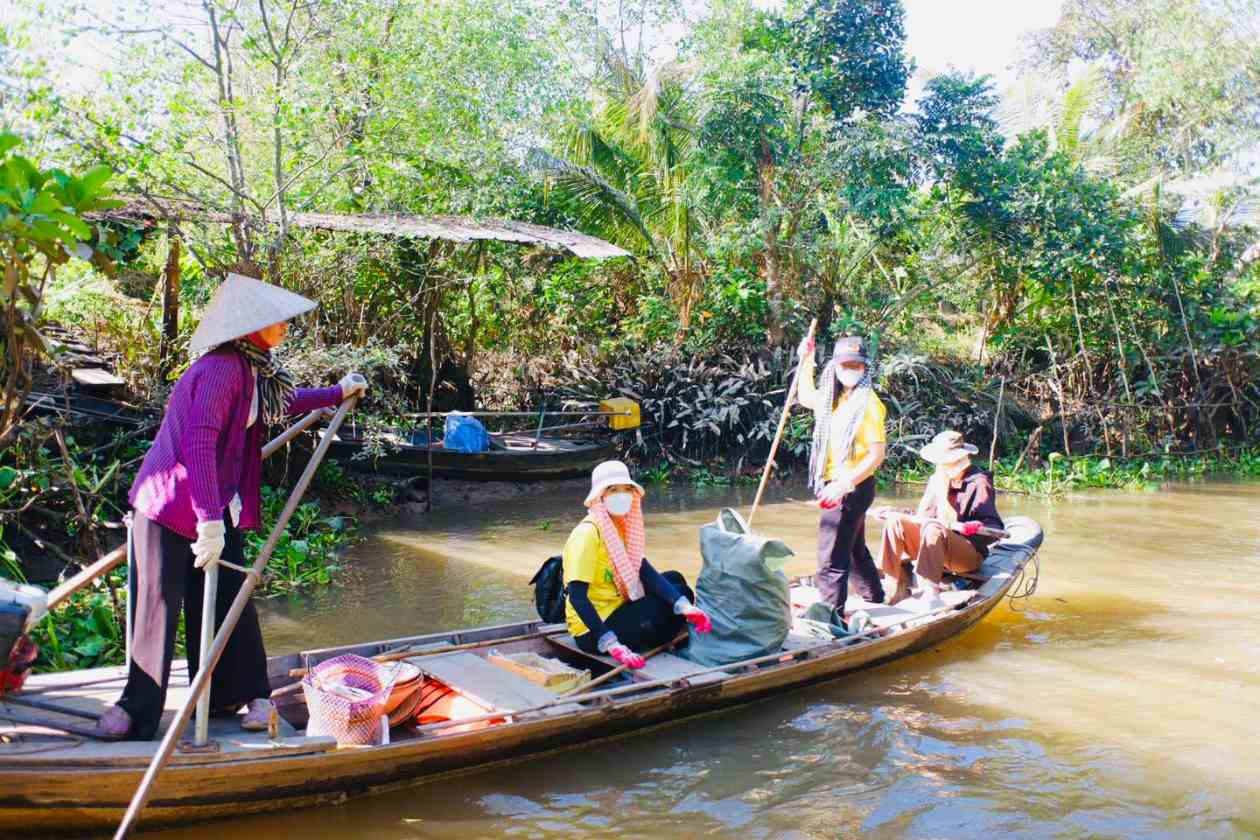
(450, 228)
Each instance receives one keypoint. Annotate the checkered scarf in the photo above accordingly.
(275, 386)
(626, 557)
(852, 412)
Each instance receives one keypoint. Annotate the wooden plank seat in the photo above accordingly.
(662, 666)
(496, 688)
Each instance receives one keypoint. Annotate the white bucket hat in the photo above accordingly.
(242, 305)
(607, 475)
(947, 448)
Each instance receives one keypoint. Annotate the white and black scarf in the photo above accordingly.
(853, 410)
(275, 386)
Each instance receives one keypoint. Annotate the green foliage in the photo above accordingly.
(81, 633)
(41, 226)
(306, 554)
(850, 53)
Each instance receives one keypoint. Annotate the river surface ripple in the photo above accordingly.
(1123, 700)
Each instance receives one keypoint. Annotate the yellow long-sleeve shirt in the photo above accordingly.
(869, 433)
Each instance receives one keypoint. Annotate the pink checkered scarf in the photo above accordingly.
(626, 557)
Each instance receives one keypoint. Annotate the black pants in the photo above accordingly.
(162, 580)
(643, 624)
(842, 548)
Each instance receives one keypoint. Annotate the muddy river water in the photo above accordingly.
(1122, 700)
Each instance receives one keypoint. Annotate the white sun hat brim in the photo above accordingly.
(241, 306)
(937, 454)
(609, 474)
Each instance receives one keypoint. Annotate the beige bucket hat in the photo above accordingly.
(606, 475)
(242, 305)
(946, 448)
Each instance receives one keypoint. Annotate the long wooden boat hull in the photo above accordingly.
(64, 793)
(513, 459)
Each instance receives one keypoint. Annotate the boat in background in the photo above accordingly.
(509, 458)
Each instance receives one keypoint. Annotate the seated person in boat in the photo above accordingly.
(197, 491)
(944, 533)
(617, 603)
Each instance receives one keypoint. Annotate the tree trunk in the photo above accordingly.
(170, 306)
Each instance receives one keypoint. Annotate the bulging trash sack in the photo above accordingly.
(743, 591)
(465, 434)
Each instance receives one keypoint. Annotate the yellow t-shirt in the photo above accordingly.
(586, 559)
(869, 432)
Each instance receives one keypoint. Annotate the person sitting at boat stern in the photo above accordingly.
(617, 603)
(944, 533)
(197, 491)
(847, 448)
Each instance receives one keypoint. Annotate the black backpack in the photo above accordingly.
(549, 590)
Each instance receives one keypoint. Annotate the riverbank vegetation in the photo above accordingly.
(1066, 269)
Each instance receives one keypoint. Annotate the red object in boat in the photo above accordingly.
(21, 659)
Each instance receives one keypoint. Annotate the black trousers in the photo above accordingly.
(643, 624)
(842, 549)
(163, 579)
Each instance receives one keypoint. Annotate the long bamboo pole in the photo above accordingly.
(781, 657)
(621, 669)
(778, 434)
(202, 681)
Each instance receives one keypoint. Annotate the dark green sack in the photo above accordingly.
(743, 591)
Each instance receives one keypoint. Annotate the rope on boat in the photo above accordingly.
(8, 740)
(1025, 585)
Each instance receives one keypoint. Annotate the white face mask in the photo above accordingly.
(849, 377)
(619, 503)
(955, 470)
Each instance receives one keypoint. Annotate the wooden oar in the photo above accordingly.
(621, 668)
(106, 563)
(780, 657)
(201, 682)
(778, 434)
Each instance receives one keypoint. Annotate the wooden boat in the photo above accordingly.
(57, 783)
(510, 458)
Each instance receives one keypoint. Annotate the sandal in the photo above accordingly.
(114, 725)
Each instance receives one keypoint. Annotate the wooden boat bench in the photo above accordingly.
(497, 688)
(663, 666)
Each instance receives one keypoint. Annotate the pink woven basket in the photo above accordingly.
(351, 722)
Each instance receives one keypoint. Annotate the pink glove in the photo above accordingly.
(697, 618)
(626, 657)
(970, 529)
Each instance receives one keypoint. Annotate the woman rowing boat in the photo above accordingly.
(197, 490)
(847, 448)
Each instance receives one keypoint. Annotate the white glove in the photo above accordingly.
(352, 384)
(210, 543)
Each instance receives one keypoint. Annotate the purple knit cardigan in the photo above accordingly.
(203, 455)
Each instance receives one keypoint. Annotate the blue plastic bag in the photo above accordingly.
(465, 434)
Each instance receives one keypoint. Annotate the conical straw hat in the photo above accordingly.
(242, 305)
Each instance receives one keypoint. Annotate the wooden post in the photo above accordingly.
(170, 306)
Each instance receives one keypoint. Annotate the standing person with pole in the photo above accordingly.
(197, 490)
(848, 446)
